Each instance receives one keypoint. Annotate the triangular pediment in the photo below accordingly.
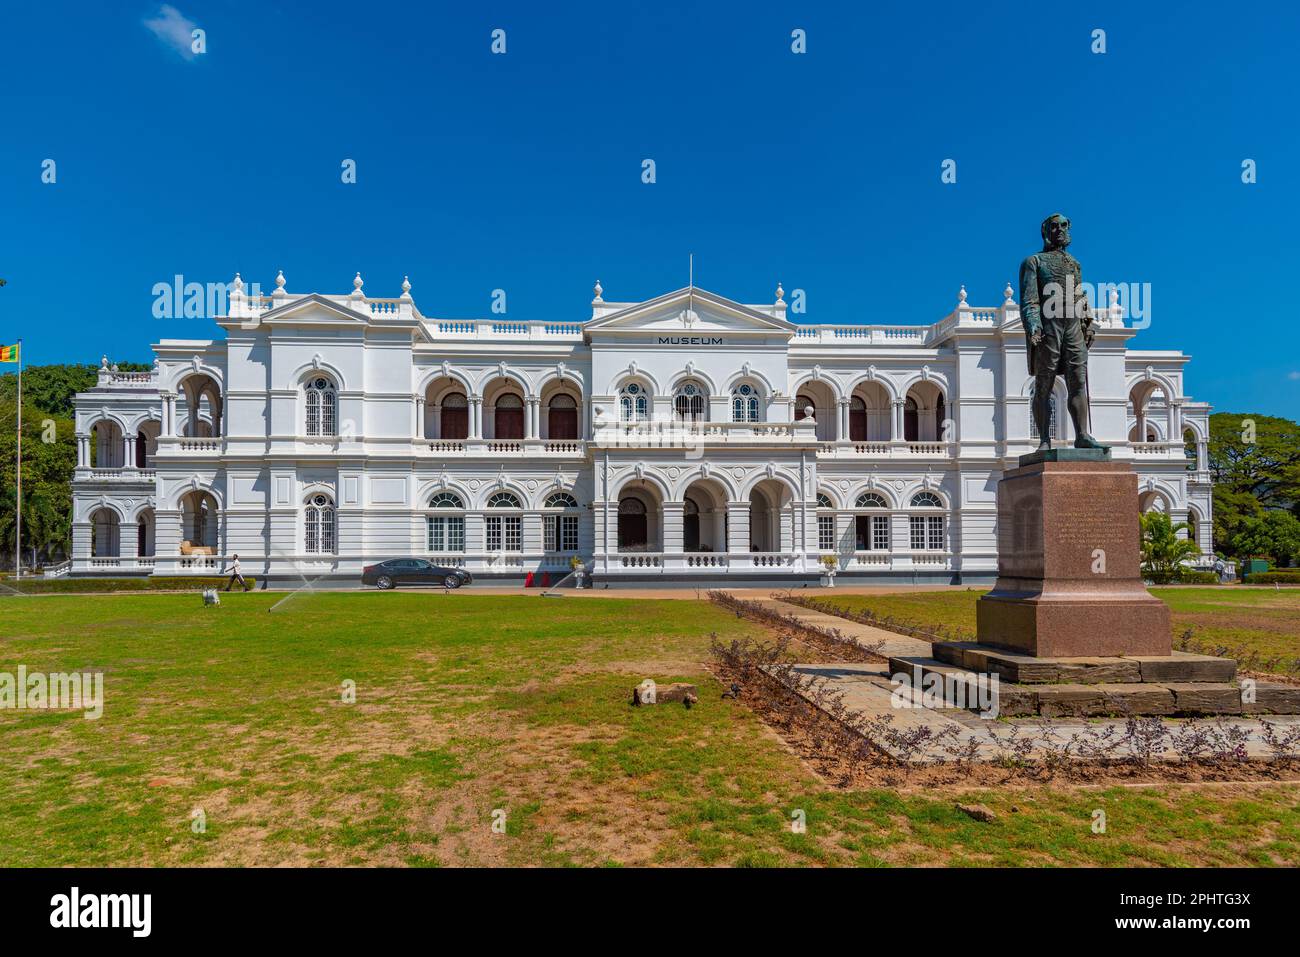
(311, 309)
(690, 310)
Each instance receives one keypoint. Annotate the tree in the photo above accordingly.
(1162, 550)
(1274, 535)
(1255, 463)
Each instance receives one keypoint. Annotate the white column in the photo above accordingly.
(896, 421)
(128, 451)
(842, 422)
(83, 451)
(673, 537)
(476, 417)
(534, 422)
(738, 526)
(1174, 421)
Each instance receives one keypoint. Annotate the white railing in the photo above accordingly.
(504, 329)
(525, 447)
(122, 474)
(706, 560)
(641, 560)
(57, 571)
(190, 444)
(871, 559)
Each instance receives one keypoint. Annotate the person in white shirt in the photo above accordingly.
(235, 574)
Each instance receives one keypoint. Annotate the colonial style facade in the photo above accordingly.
(687, 437)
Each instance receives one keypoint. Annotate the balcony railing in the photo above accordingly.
(120, 473)
(455, 448)
(885, 449)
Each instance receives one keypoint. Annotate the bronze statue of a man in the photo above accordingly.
(1058, 327)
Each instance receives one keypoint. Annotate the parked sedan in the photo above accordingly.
(414, 571)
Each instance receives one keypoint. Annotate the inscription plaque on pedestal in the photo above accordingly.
(1069, 568)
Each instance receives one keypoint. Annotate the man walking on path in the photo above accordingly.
(235, 574)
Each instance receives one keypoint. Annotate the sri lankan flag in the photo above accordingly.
(9, 353)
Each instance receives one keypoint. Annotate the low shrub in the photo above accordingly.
(56, 586)
(1278, 576)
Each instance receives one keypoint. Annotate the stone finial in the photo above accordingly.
(961, 298)
(357, 284)
(780, 294)
(1114, 297)
(598, 290)
(406, 287)
(238, 283)
(279, 279)
(103, 363)
(1008, 295)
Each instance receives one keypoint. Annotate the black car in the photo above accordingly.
(414, 571)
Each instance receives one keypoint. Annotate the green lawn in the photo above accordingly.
(1259, 620)
(466, 704)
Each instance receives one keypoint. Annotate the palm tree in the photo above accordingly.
(1163, 551)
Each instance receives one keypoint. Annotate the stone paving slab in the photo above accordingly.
(867, 690)
(895, 645)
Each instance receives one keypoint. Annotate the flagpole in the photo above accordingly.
(18, 516)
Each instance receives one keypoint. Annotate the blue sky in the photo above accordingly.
(523, 171)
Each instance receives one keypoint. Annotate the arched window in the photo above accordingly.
(926, 531)
(318, 524)
(322, 407)
(634, 403)
(509, 417)
(689, 402)
(911, 420)
(562, 417)
(871, 531)
(446, 532)
(560, 532)
(825, 523)
(744, 404)
(504, 532)
(1051, 415)
(454, 416)
(857, 419)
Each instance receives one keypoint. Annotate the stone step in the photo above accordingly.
(959, 687)
(1181, 666)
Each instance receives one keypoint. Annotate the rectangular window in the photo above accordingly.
(934, 530)
(504, 533)
(446, 533)
(880, 533)
(826, 533)
(926, 532)
(550, 537)
(567, 528)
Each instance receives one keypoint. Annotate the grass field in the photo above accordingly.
(1259, 620)
(468, 704)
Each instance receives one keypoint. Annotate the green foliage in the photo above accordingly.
(1162, 550)
(1279, 577)
(56, 586)
(1255, 462)
(1274, 534)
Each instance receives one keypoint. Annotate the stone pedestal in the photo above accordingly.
(1069, 576)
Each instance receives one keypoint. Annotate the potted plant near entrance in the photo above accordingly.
(828, 570)
(579, 571)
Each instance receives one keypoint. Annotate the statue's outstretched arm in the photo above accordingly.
(1031, 315)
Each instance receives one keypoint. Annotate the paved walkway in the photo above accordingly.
(868, 635)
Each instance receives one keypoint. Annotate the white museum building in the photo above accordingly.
(684, 438)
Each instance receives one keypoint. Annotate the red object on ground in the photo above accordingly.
(528, 580)
(546, 579)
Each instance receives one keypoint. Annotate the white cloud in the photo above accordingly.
(173, 29)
